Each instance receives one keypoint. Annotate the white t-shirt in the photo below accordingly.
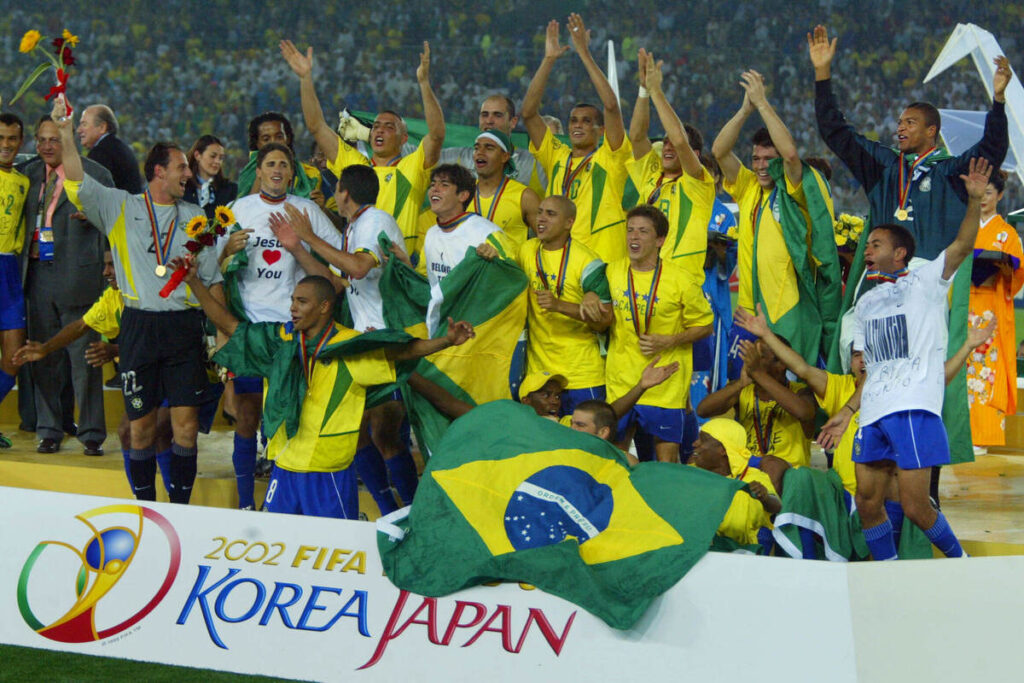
(902, 328)
(443, 250)
(266, 285)
(364, 294)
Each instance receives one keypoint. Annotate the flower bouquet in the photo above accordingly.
(60, 60)
(848, 229)
(202, 233)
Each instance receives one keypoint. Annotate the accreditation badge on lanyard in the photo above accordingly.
(45, 239)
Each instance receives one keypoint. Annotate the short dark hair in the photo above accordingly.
(402, 127)
(998, 180)
(459, 175)
(9, 119)
(901, 237)
(322, 286)
(265, 117)
(510, 106)
(159, 155)
(822, 165)
(198, 147)
(931, 114)
(45, 118)
(604, 414)
(652, 214)
(105, 115)
(762, 138)
(695, 136)
(275, 147)
(360, 182)
(600, 114)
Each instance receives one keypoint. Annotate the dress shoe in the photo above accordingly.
(47, 446)
(71, 429)
(93, 448)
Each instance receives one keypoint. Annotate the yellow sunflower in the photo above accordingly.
(29, 41)
(196, 226)
(70, 38)
(224, 216)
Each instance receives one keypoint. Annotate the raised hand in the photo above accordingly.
(578, 34)
(299, 222)
(976, 336)
(1001, 78)
(423, 70)
(652, 376)
(755, 324)
(283, 232)
(750, 355)
(552, 48)
(190, 265)
(976, 180)
(753, 85)
(641, 67)
(60, 112)
(654, 76)
(821, 51)
(833, 430)
(301, 64)
(459, 332)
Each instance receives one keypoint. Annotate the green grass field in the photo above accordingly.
(29, 664)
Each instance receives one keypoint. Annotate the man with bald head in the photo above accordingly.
(97, 130)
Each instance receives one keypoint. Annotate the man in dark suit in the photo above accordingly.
(62, 271)
(98, 132)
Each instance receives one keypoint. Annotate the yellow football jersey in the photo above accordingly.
(771, 430)
(837, 392)
(13, 190)
(504, 209)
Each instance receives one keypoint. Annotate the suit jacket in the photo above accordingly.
(222, 196)
(114, 155)
(77, 245)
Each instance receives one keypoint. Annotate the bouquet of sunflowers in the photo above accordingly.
(60, 60)
(848, 229)
(202, 233)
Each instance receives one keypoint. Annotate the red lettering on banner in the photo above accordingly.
(453, 623)
(506, 635)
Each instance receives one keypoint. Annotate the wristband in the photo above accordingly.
(643, 94)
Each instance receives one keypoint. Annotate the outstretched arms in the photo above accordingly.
(670, 120)
(302, 66)
(535, 125)
(431, 112)
(975, 182)
(614, 130)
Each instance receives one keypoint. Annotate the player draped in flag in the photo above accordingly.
(403, 180)
(900, 325)
(659, 309)
(674, 181)
(499, 197)
(260, 272)
(589, 171)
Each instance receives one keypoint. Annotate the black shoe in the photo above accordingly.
(48, 446)
(71, 429)
(25, 428)
(93, 448)
(113, 383)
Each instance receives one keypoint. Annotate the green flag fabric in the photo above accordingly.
(511, 496)
(271, 350)
(810, 323)
(302, 185)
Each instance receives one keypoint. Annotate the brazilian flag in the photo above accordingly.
(509, 496)
(491, 296)
(809, 321)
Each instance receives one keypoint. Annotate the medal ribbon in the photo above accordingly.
(563, 267)
(882, 276)
(631, 292)
(273, 199)
(393, 161)
(570, 174)
(455, 222)
(309, 360)
(764, 435)
(903, 182)
(478, 203)
(162, 252)
(656, 193)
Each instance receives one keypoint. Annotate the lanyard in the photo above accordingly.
(307, 360)
(763, 433)
(162, 252)
(478, 201)
(563, 267)
(570, 174)
(651, 296)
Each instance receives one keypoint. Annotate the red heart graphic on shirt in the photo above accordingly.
(271, 256)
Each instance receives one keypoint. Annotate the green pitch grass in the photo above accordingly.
(30, 664)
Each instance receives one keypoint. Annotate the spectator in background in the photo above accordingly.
(97, 130)
(208, 188)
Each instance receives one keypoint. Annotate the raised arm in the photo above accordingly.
(753, 83)
(69, 150)
(640, 122)
(976, 336)
(458, 333)
(800, 407)
(33, 350)
(722, 147)
(356, 266)
(535, 125)
(302, 66)
(717, 402)
(975, 182)
(431, 111)
(816, 378)
(614, 129)
(670, 120)
(212, 305)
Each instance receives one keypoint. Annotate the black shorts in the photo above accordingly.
(163, 356)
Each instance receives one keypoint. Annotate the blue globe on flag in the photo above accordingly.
(556, 502)
(111, 544)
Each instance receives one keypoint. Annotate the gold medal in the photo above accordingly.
(902, 214)
(161, 271)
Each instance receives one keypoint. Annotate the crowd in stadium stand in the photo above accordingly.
(614, 254)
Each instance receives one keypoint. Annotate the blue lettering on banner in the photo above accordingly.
(886, 339)
(218, 592)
